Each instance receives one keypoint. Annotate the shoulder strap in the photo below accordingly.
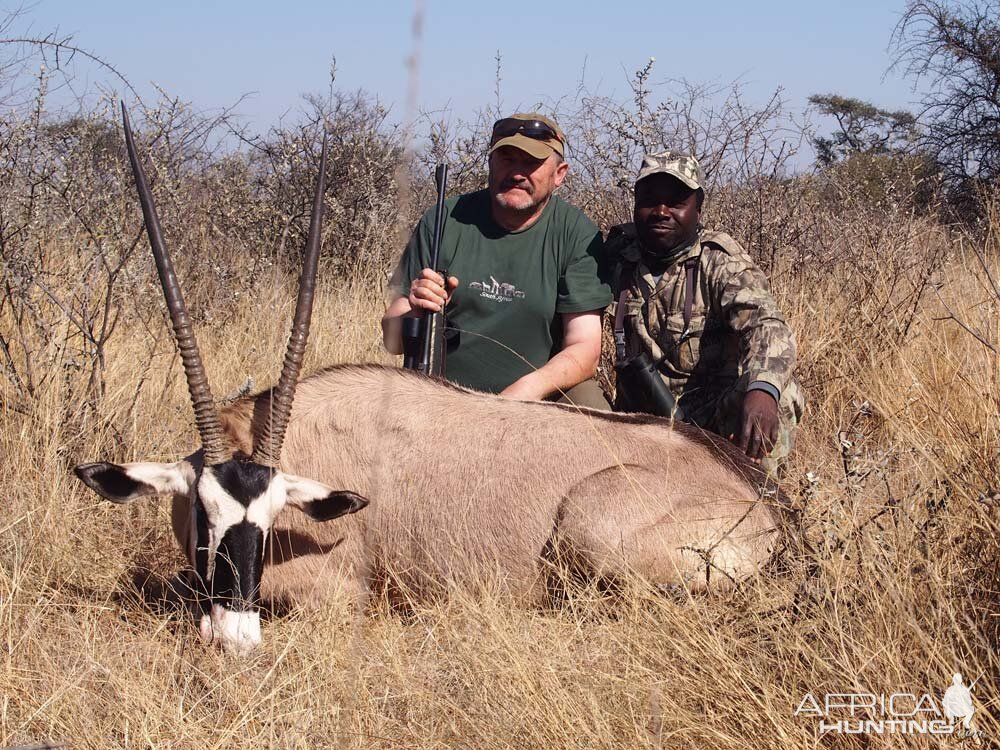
(691, 266)
(625, 273)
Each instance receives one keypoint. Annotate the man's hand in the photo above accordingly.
(758, 424)
(429, 292)
(526, 389)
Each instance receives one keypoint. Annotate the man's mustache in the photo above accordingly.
(510, 184)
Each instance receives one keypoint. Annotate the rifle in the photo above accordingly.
(423, 335)
(639, 378)
(644, 390)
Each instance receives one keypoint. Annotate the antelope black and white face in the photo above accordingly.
(235, 504)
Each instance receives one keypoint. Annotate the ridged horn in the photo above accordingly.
(205, 415)
(267, 444)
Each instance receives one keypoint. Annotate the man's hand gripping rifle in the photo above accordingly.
(423, 335)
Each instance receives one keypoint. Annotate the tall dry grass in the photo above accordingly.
(894, 479)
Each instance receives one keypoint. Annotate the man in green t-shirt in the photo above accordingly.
(523, 297)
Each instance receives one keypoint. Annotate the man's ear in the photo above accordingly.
(560, 173)
(122, 484)
(319, 501)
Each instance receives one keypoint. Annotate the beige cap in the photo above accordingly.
(522, 130)
(684, 168)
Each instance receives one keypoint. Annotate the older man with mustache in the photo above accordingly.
(523, 298)
(700, 309)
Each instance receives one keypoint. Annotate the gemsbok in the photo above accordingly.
(462, 489)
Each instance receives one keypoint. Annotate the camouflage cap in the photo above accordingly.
(684, 168)
(507, 132)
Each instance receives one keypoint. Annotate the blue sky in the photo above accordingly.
(211, 53)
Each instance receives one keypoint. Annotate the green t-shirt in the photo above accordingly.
(504, 317)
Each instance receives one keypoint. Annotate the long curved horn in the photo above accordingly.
(267, 445)
(205, 415)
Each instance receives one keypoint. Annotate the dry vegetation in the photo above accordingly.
(894, 479)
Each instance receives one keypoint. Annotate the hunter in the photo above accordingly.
(523, 297)
(702, 311)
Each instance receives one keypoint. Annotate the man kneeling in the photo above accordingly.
(702, 311)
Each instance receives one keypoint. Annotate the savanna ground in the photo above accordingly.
(894, 479)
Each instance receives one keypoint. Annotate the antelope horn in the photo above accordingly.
(205, 415)
(267, 444)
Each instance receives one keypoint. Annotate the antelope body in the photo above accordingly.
(470, 489)
(458, 488)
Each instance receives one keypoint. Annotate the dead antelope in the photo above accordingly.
(462, 488)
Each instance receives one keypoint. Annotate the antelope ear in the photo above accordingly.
(319, 501)
(122, 484)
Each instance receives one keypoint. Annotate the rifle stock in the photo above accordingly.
(644, 390)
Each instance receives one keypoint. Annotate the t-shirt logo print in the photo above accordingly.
(496, 290)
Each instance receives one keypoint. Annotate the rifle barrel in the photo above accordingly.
(441, 180)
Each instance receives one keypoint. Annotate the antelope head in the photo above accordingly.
(233, 500)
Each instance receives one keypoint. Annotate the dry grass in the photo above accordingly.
(895, 478)
(898, 590)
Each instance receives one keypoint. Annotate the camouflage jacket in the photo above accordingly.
(735, 336)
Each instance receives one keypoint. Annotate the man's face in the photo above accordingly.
(521, 183)
(666, 213)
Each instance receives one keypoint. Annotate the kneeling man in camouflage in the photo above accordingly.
(700, 310)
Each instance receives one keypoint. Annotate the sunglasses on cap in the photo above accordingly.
(535, 129)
